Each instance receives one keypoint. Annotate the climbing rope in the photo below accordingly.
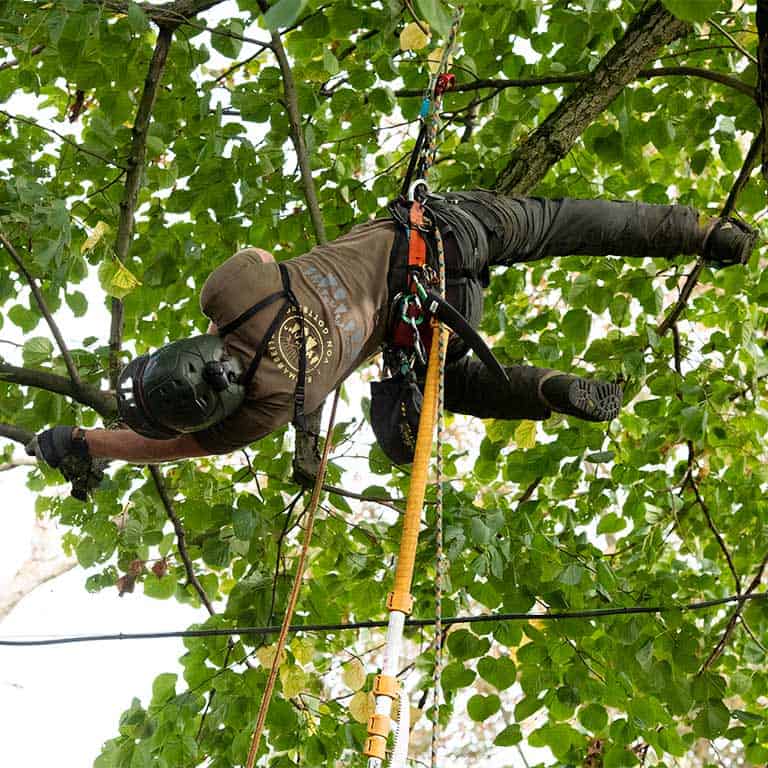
(437, 671)
(294, 596)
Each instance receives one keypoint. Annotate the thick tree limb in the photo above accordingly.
(18, 461)
(133, 184)
(730, 204)
(565, 78)
(101, 402)
(44, 563)
(553, 139)
(46, 313)
(17, 434)
(761, 18)
(181, 540)
(63, 137)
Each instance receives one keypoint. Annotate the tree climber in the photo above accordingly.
(251, 374)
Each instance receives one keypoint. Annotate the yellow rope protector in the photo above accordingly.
(407, 556)
(400, 600)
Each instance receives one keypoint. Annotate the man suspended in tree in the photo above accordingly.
(252, 374)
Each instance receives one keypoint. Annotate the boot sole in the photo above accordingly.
(595, 400)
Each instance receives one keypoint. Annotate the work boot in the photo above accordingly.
(728, 242)
(584, 398)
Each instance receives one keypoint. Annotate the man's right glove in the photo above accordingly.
(65, 449)
(728, 242)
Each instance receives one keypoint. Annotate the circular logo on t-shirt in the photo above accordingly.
(283, 347)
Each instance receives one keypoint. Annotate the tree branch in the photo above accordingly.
(297, 135)
(732, 621)
(181, 540)
(63, 137)
(14, 62)
(128, 204)
(17, 434)
(500, 84)
(715, 532)
(102, 402)
(728, 207)
(46, 313)
(553, 139)
(761, 19)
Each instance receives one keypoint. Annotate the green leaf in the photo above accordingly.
(36, 351)
(283, 13)
(463, 644)
(500, 672)
(693, 10)
(510, 736)
(712, 720)
(481, 534)
(435, 14)
(455, 676)
(137, 18)
(482, 707)
(610, 148)
(159, 588)
(593, 717)
(525, 434)
(77, 302)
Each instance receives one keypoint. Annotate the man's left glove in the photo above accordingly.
(66, 449)
(728, 242)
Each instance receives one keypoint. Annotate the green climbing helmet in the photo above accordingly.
(183, 387)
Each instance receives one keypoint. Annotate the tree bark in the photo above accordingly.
(553, 139)
(44, 563)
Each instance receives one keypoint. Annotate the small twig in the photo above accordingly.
(725, 33)
(212, 694)
(728, 207)
(288, 511)
(384, 501)
(753, 585)
(528, 492)
(63, 137)
(264, 44)
(135, 172)
(711, 524)
(46, 313)
(418, 21)
(13, 62)
(577, 77)
(181, 541)
(297, 135)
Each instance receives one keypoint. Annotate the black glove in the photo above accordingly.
(53, 445)
(66, 449)
(727, 242)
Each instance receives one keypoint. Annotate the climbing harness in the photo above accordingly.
(419, 313)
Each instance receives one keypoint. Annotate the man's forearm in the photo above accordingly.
(126, 445)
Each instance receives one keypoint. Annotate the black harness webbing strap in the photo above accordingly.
(291, 301)
(448, 314)
(250, 312)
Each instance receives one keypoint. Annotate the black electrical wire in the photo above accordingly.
(485, 618)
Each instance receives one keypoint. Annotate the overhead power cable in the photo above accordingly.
(485, 618)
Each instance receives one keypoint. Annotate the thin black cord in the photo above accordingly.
(485, 618)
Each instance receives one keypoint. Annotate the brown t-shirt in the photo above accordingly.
(342, 288)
